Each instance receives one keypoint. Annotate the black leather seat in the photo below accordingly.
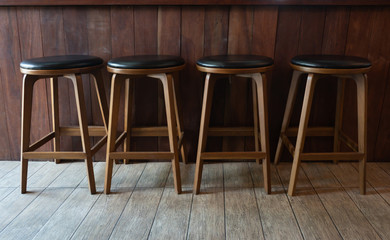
(146, 62)
(61, 62)
(235, 61)
(331, 61)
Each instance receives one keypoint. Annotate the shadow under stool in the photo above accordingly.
(126, 70)
(246, 66)
(317, 67)
(70, 67)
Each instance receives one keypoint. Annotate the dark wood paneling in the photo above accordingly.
(192, 37)
(10, 82)
(192, 2)
(192, 32)
(146, 90)
(29, 24)
(53, 38)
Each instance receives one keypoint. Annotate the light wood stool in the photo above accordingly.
(247, 66)
(71, 67)
(127, 70)
(318, 66)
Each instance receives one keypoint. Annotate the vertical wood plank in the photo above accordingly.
(168, 43)
(76, 42)
(5, 148)
(216, 26)
(287, 41)
(53, 40)
(31, 46)
(192, 45)
(99, 44)
(237, 106)
(145, 101)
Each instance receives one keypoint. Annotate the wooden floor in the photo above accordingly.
(233, 204)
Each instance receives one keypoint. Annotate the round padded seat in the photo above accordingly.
(146, 62)
(235, 61)
(61, 62)
(330, 61)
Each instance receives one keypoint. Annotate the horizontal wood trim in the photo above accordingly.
(232, 155)
(192, 2)
(332, 156)
(234, 70)
(133, 71)
(54, 155)
(142, 155)
(313, 131)
(93, 131)
(59, 72)
(230, 131)
(149, 132)
(41, 141)
(330, 70)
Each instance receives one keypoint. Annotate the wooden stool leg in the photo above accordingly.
(116, 84)
(129, 90)
(339, 115)
(287, 112)
(362, 92)
(255, 119)
(27, 94)
(307, 100)
(167, 82)
(101, 94)
(83, 122)
(204, 125)
(178, 123)
(261, 83)
(55, 114)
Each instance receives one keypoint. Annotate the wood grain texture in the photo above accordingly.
(50, 199)
(137, 217)
(103, 216)
(172, 217)
(280, 31)
(192, 2)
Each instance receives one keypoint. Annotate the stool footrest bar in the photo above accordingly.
(312, 132)
(332, 156)
(93, 131)
(149, 132)
(41, 141)
(232, 155)
(142, 155)
(230, 131)
(54, 155)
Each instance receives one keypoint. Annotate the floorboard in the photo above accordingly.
(232, 203)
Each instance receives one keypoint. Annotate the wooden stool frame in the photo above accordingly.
(359, 149)
(172, 131)
(260, 117)
(85, 131)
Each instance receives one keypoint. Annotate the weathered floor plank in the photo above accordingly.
(12, 178)
(7, 166)
(171, 221)
(33, 218)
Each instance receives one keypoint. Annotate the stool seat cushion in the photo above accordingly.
(331, 61)
(61, 62)
(146, 62)
(235, 61)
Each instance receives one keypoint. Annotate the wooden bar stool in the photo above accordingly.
(71, 67)
(247, 66)
(127, 70)
(318, 66)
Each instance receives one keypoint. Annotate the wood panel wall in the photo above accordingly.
(192, 32)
